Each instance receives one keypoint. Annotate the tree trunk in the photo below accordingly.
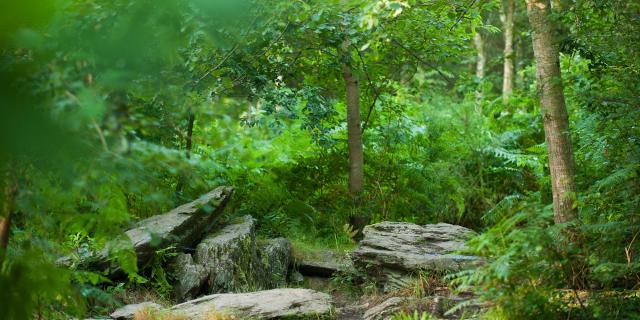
(10, 192)
(5, 227)
(554, 111)
(189, 144)
(519, 57)
(481, 61)
(354, 134)
(192, 119)
(506, 16)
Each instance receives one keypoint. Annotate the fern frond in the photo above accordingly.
(619, 176)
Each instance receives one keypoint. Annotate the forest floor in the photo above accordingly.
(355, 299)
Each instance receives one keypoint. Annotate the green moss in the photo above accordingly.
(314, 251)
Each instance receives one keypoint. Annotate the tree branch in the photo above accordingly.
(417, 57)
(464, 13)
(372, 87)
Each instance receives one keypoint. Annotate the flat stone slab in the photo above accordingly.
(322, 263)
(183, 226)
(406, 247)
(130, 310)
(268, 304)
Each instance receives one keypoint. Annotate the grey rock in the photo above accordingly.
(275, 256)
(130, 310)
(269, 304)
(322, 263)
(438, 306)
(230, 258)
(296, 277)
(384, 310)
(183, 226)
(399, 248)
(190, 277)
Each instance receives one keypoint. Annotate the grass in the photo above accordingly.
(139, 294)
(153, 314)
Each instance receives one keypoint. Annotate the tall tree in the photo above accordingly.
(554, 110)
(9, 195)
(354, 132)
(481, 60)
(506, 16)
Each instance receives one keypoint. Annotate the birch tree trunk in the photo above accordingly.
(554, 111)
(481, 61)
(506, 16)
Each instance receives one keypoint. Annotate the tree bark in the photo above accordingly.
(191, 120)
(506, 16)
(554, 111)
(189, 145)
(481, 60)
(354, 133)
(10, 192)
(5, 227)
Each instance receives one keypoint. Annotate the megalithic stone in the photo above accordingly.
(181, 227)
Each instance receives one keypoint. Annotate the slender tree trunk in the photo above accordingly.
(5, 227)
(554, 111)
(519, 56)
(191, 120)
(189, 144)
(506, 16)
(481, 60)
(9, 194)
(354, 133)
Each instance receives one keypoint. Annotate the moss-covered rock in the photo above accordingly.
(275, 256)
(231, 259)
(190, 277)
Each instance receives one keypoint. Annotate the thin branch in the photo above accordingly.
(372, 87)
(224, 59)
(464, 13)
(278, 38)
(103, 141)
(366, 120)
(417, 57)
